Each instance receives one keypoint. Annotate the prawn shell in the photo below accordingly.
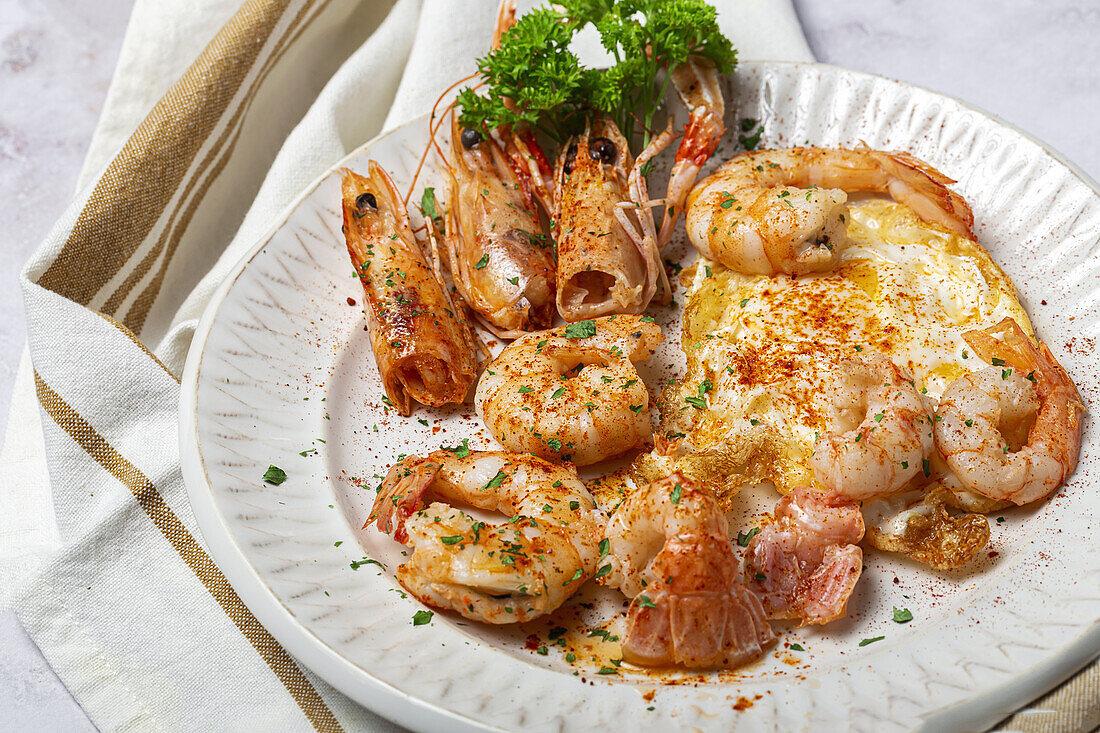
(501, 261)
(423, 350)
(930, 534)
(600, 270)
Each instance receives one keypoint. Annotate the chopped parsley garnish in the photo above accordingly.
(460, 451)
(420, 618)
(744, 537)
(274, 475)
(645, 601)
(580, 330)
(797, 648)
(427, 204)
(677, 490)
(902, 615)
(872, 640)
(496, 481)
(695, 402)
(482, 262)
(451, 539)
(554, 444)
(603, 571)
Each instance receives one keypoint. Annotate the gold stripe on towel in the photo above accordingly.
(307, 697)
(138, 184)
(136, 313)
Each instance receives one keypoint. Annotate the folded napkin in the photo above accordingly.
(131, 612)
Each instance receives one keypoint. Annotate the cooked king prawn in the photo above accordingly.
(1011, 431)
(783, 211)
(571, 393)
(514, 570)
(668, 549)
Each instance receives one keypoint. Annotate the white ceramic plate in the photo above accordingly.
(281, 362)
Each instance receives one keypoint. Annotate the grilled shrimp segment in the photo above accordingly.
(605, 264)
(784, 210)
(884, 430)
(423, 348)
(806, 564)
(501, 573)
(669, 551)
(499, 258)
(571, 393)
(1011, 431)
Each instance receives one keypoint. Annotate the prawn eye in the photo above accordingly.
(365, 201)
(570, 158)
(603, 150)
(470, 137)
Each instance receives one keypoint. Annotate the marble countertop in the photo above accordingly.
(1034, 63)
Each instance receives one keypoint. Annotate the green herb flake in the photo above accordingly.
(482, 262)
(744, 537)
(460, 451)
(427, 204)
(872, 640)
(274, 475)
(580, 330)
(421, 618)
(902, 615)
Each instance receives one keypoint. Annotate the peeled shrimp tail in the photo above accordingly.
(696, 613)
(805, 565)
(772, 211)
(669, 550)
(401, 494)
(571, 393)
(892, 437)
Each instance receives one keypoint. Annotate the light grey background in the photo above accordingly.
(1034, 63)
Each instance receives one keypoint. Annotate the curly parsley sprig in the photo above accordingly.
(533, 77)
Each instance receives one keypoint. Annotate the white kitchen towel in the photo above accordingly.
(131, 612)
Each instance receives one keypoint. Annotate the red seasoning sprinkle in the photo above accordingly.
(351, 301)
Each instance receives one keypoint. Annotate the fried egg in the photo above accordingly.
(759, 348)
